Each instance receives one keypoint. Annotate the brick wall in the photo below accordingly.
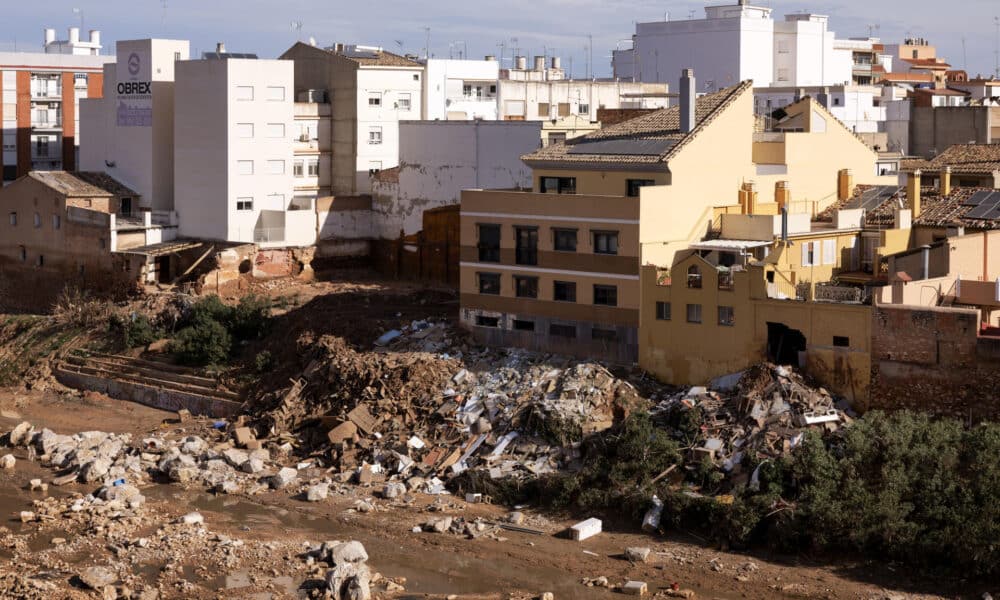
(932, 359)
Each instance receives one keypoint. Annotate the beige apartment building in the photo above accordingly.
(557, 268)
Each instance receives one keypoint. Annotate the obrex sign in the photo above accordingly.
(133, 88)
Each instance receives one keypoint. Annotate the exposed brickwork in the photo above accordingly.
(931, 359)
(23, 122)
(68, 122)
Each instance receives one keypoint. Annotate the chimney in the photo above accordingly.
(50, 36)
(688, 100)
(556, 62)
(521, 63)
(539, 63)
(945, 182)
(220, 47)
(74, 35)
(748, 198)
(338, 48)
(784, 225)
(845, 184)
(782, 195)
(490, 58)
(913, 193)
(95, 37)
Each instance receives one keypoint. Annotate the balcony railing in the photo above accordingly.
(264, 235)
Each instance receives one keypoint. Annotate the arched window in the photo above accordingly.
(694, 277)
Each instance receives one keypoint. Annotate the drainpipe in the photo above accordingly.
(926, 251)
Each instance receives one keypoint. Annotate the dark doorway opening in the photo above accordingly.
(163, 269)
(126, 207)
(784, 344)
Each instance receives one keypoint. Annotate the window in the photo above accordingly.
(404, 102)
(244, 167)
(526, 287)
(526, 239)
(520, 325)
(605, 242)
(489, 283)
(487, 321)
(244, 92)
(841, 341)
(42, 145)
(244, 203)
(605, 335)
(829, 252)
(375, 99)
(103, 243)
(605, 295)
(416, 77)
(632, 186)
(275, 130)
(567, 331)
(244, 130)
(809, 254)
(564, 240)
(38, 220)
(563, 108)
(726, 280)
(543, 110)
(313, 168)
(662, 311)
(24, 253)
(467, 90)
(489, 243)
(726, 316)
(13, 219)
(298, 168)
(56, 221)
(694, 313)
(493, 89)
(275, 93)
(583, 109)
(40, 261)
(276, 167)
(374, 135)
(177, 56)
(557, 185)
(564, 291)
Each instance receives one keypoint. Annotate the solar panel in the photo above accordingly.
(980, 212)
(993, 215)
(623, 147)
(977, 199)
(876, 196)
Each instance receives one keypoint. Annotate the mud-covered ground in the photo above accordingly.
(255, 546)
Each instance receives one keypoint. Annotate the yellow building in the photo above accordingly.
(557, 269)
(706, 320)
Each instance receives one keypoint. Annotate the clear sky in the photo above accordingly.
(478, 27)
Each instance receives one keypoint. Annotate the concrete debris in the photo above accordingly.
(284, 477)
(634, 588)
(7, 462)
(97, 578)
(193, 518)
(585, 529)
(597, 582)
(651, 520)
(637, 555)
(318, 492)
(350, 578)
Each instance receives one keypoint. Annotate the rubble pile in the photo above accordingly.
(763, 417)
(413, 416)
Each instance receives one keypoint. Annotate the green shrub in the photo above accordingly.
(263, 362)
(133, 330)
(206, 342)
(251, 318)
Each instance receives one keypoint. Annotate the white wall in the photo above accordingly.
(584, 97)
(443, 89)
(439, 159)
(135, 146)
(391, 84)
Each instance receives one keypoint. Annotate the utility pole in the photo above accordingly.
(996, 53)
(590, 60)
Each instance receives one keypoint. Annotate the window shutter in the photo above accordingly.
(805, 254)
(829, 252)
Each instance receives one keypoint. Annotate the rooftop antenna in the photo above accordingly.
(965, 55)
(79, 11)
(996, 53)
(163, 15)
(427, 48)
(297, 28)
(873, 28)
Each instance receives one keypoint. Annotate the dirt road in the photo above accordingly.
(254, 546)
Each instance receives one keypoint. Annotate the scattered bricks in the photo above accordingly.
(7, 462)
(585, 529)
(284, 477)
(637, 555)
(634, 588)
(344, 432)
(183, 415)
(244, 436)
(363, 419)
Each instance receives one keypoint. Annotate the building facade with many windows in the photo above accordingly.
(41, 93)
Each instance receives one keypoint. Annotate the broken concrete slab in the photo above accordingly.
(637, 554)
(585, 529)
(344, 432)
(634, 588)
(283, 478)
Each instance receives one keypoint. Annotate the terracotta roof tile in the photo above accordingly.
(662, 125)
(968, 158)
(935, 210)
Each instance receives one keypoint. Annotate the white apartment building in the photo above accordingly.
(312, 145)
(41, 93)
(736, 42)
(526, 100)
(460, 90)
(370, 91)
(129, 132)
(233, 153)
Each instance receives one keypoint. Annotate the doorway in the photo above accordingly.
(126, 207)
(163, 269)
(784, 344)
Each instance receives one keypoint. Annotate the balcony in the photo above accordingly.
(269, 235)
(48, 125)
